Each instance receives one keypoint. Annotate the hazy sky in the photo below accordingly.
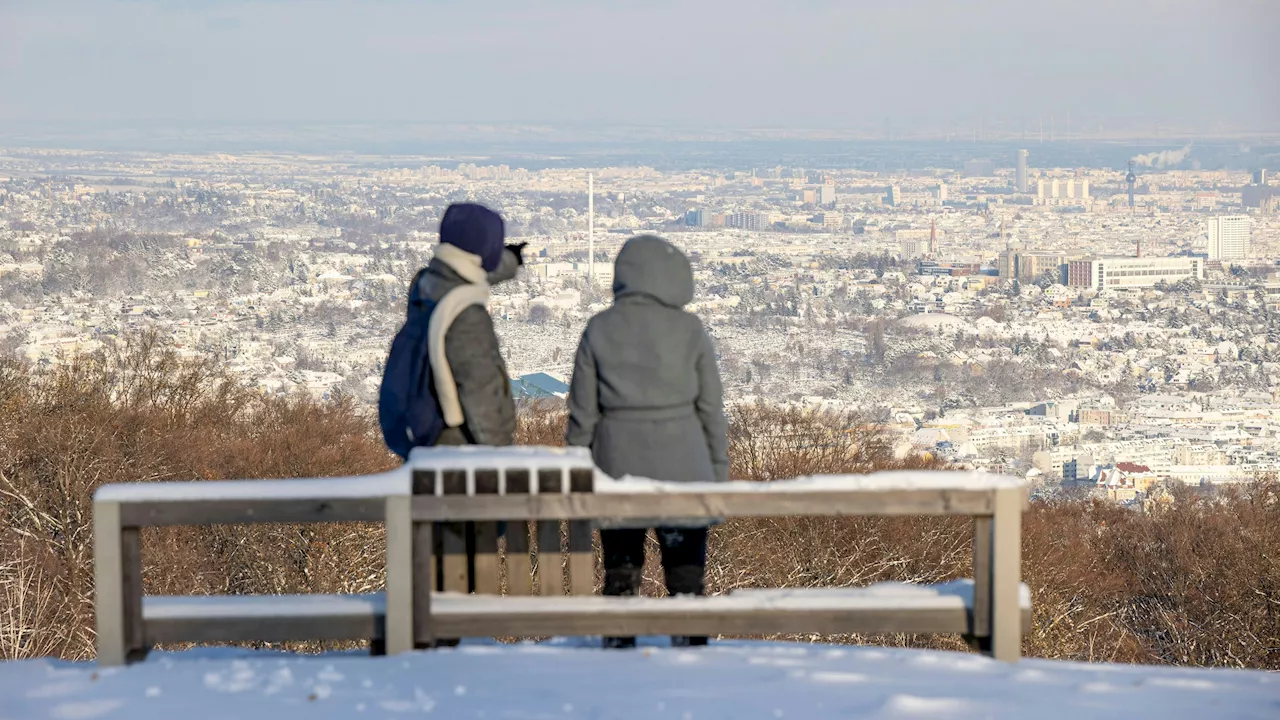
(713, 63)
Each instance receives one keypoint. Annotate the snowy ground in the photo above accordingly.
(566, 680)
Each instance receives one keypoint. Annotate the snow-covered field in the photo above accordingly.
(568, 679)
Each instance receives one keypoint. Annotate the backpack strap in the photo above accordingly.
(446, 311)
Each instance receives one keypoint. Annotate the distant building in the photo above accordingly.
(918, 242)
(1229, 237)
(695, 218)
(893, 196)
(954, 269)
(941, 192)
(828, 219)
(1259, 194)
(538, 386)
(746, 221)
(1007, 262)
(1124, 273)
(979, 167)
(1020, 175)
(1028, 265)
(1033, 265)
(1053, 191)
(827, 195)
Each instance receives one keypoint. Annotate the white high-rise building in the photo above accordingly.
(1047, 189)
(1229, 237)
(827, 195)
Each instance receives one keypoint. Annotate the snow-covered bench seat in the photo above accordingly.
(263, 618)
(880, 608)
(456, 524)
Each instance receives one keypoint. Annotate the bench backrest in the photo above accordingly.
(515, 554)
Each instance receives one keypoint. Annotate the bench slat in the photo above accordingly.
(485, 561)
(266, 618)
(519, 565)
(582, 559)
(588, 506)
(741, 613)
(982, 581)
(424, 581)
(454, 558)
(550, 570)
(266, 510)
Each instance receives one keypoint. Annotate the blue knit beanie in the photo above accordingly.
(476, 229)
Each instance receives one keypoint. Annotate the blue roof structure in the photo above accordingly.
(538, 385)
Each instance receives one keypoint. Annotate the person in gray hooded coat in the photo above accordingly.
(646, 398)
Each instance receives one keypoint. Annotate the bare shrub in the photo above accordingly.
(139, 412)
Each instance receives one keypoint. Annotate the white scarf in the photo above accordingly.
(470, 268)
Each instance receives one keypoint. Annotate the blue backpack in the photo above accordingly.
(408, 411)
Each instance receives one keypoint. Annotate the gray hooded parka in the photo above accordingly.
(646, 394)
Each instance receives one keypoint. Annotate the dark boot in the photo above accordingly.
(686, 580)
(688, 640)
(621, 581)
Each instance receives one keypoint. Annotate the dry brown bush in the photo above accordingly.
(1196, 582)
(142, 413)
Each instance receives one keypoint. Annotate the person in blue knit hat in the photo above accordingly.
(476, 401)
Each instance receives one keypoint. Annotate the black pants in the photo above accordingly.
(684, 559)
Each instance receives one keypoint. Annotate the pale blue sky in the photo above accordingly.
(715, 63)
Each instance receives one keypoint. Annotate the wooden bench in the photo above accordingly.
(445, 510)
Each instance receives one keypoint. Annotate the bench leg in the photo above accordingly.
(980, 638)
(424, 582)
(1006, 566)
(108, 584)
(400, 577)
(136, 647)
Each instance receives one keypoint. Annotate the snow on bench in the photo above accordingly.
(265, 618)
(445, 511)
(359, 486)
(880, 608)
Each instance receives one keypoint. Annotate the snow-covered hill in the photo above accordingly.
(568, 679)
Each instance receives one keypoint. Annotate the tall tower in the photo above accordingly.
(1020, 178)
(591, 230)
(933, 238)
(1131, 178)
